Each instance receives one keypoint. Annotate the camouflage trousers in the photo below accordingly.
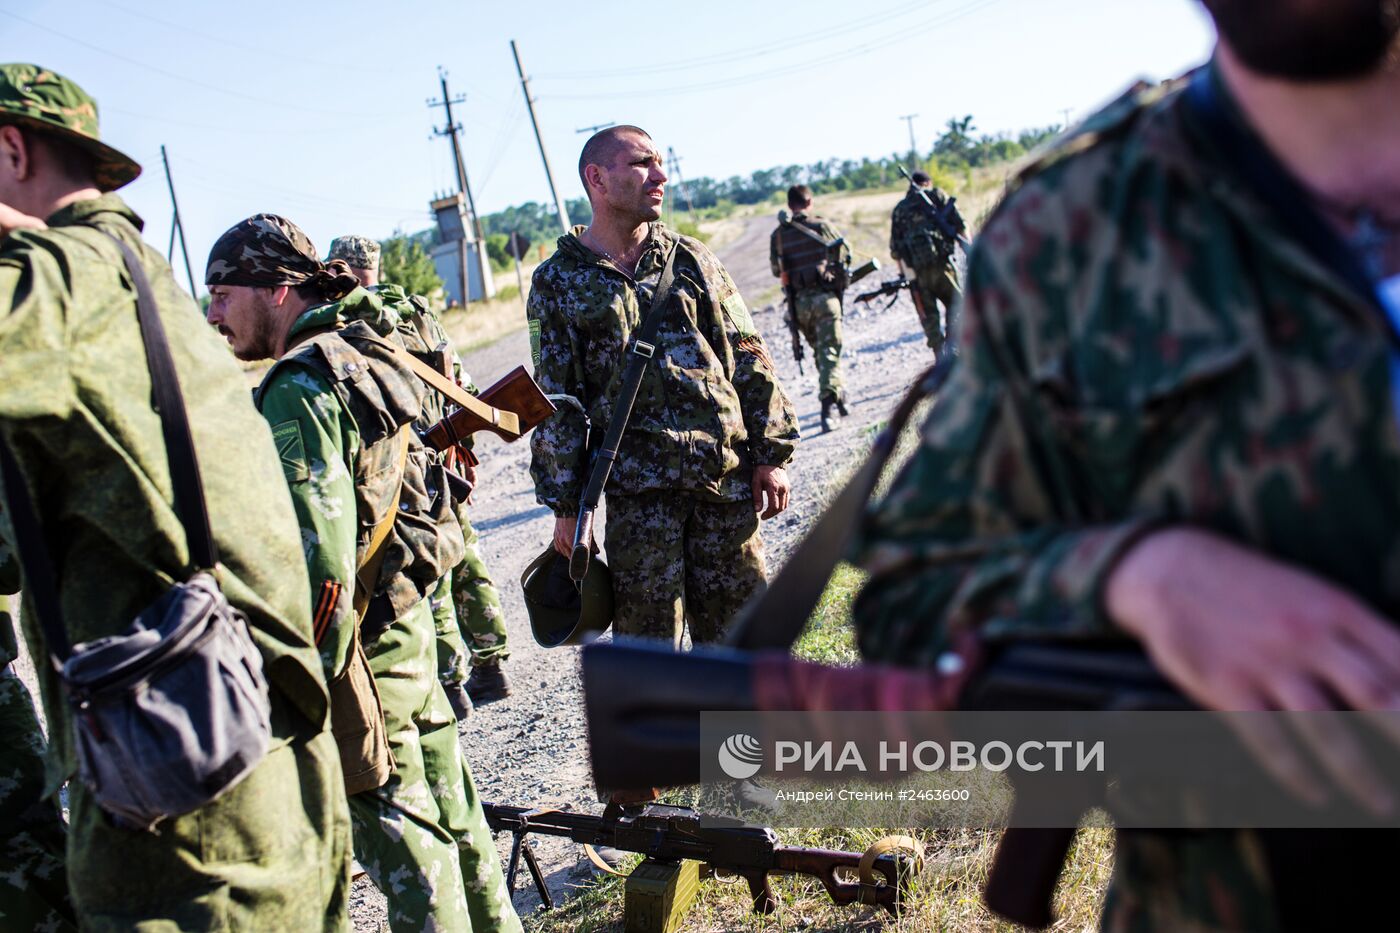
(271, 854)
(676, 559)
(467, 616)
(819, 319)
(33, 881)
(938, 289)
(422, 837)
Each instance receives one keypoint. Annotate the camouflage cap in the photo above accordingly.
(359, 252)
(39, 98)
(263, 251)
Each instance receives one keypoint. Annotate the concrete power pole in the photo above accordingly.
(674, 168)
(474, 222)
(913, 146)
(530, 105)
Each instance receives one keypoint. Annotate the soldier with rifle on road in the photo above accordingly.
(379, 532)
(701, 445)
(925, 230)
(811, 259)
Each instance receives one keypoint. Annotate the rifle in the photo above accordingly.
(892, 288)
(940, 218)
(726, 847)
(515, 392)
(649, 734)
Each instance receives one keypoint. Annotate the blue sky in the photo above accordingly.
(318, 110)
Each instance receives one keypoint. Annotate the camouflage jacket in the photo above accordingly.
(75, 407)
(817, 225)
(1142, 343)
(336, 404)
(915, 239)
(710, 406)
(420, 330)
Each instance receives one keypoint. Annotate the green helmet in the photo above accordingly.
(560, 612)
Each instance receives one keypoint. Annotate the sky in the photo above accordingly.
(319, 111)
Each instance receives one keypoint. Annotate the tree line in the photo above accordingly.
(958, 149)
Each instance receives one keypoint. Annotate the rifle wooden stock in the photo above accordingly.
(582, 549)
(516, 394)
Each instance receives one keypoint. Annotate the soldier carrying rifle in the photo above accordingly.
(920, 229)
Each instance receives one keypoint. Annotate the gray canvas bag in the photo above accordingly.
(174, 711)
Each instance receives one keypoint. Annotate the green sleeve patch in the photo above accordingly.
(534, 328)
(739, 314)
(291, 451)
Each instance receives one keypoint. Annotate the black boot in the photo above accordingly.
(459, 700)
(487, 683)
(841, 404)
(826, 415)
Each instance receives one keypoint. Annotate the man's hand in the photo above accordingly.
(564, 526)
(771, 481)
(1236, 630)
(11, 219)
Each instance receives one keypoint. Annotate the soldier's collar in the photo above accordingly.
(83, 211)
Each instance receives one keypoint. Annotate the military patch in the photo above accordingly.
(739, 313)
(291, 451)
(534, 327)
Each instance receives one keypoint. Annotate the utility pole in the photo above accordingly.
(913, 146)
(530, 105)
(673, 167)
(1064, 126)
(177, 226)
(596, 127)
(473, 222)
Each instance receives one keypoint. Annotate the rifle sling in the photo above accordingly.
(776, 619)
(642, 349)
(181, 459)
(507, 421)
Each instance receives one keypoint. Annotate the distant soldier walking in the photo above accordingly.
(916, 241)
(705, 445)
(810, 257)
(76, 414)
(378, 533)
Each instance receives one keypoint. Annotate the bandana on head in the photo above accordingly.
(263, 251)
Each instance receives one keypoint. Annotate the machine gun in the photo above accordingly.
(941, 218)
(668, 835)
(891, 288)
(649, 734)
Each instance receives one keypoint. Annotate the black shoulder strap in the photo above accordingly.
(642, 348)
(39, 576)
(776, 619)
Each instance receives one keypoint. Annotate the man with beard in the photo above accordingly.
(377, 532)
(1174, 421)
(706, 443)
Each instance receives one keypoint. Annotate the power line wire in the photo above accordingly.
(781, 71)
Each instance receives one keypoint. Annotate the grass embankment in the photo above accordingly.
(945, 896)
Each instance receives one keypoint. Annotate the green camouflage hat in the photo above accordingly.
(37, 97)
(359, 252)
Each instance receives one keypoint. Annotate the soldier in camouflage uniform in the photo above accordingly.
(1173, 420)
(800, 253)
(75, 409)
(466, 605)
(341, 408)
(918, 243)
(33, 883)
(711, 428)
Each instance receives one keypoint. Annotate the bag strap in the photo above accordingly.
(190, 505)
(39, 578)
(776, 619)
(803, 227)
(367, 573)
(507, 421)
(642, 349)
